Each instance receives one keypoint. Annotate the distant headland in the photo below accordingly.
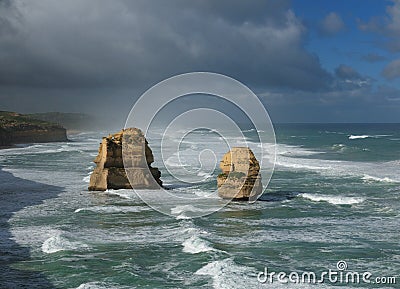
(16, 128)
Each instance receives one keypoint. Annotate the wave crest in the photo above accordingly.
(195, 245)
(60, 243)
(335, 200)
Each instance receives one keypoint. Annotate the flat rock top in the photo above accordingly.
(132, 131)
(239, 159)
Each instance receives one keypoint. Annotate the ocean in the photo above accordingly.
(334, 197)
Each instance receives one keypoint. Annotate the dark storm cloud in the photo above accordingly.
(236, 11)
(126, 43)
(7, 14)
(345, 103)
(352, 98)
(347, 78)
(99, 55)
(346, 72)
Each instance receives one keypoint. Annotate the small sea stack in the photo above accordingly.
(240, 179)
(133, 170)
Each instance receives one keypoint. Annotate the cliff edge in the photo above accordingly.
(17, 128)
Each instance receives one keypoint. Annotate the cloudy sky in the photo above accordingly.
(308, 61)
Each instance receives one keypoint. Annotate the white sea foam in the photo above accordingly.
(63, 148)
(363, 136)
(335, 200)
(91, 285)
(288, 150)
(299, 165)
(139, 234)
(284, 150)
(183, 217)
(30, 236)
(60, 243)
(227, 274)
(382, 170)
(359, 136)
(86, 179)
(195, 158)
(193, 242)
(173, 161)
(184, 208)
(334, 132)
(205, 175)
(113, 209)
(97, 285)
(52, 148)
(369, 178)
(195, 245)
(205, 194)
(339, 147)
(189, 208)
(125, 194)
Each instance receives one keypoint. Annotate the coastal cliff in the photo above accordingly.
(134, 170)
(17, 128)
(5, 138)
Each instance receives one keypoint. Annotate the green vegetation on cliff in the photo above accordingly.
(15, 121)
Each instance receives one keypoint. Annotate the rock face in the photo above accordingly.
(240, 179)
(112, 170)
(5, 138)
(33, 135)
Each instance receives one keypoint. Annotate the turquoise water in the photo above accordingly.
(334, 195)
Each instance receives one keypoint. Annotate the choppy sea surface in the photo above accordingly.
(334, 196)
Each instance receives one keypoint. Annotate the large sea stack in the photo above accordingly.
(112, 169)
(240, 179)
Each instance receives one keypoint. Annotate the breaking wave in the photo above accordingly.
(335, 200)
(60, 243)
